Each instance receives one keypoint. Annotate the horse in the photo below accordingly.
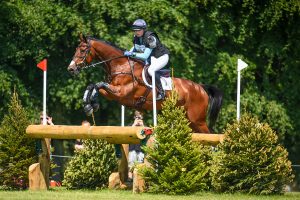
(126, 86)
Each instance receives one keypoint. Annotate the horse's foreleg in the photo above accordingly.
(93, 90)
(90, 96)
(104, 86)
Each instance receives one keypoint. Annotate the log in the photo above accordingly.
(207, 138)
(112, 134)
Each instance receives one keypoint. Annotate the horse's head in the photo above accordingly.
(82, 57)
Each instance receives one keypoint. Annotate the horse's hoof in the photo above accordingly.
(88, 109)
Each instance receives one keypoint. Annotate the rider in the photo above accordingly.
(148, 48)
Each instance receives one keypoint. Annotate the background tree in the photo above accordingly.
(17, 151)
(205, 39)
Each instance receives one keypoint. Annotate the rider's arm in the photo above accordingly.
(143, 56)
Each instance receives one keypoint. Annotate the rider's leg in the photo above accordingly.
(161, 92)
(157, 64)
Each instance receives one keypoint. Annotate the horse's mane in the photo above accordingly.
(115, 46)
(109, 43)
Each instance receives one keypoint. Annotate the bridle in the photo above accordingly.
(83, 64)
(87, 51)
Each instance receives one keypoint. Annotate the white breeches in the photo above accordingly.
(158, 63)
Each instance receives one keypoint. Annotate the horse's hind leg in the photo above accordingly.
(197, 119)
(199, 127)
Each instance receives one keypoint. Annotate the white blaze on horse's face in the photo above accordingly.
(72, 63)
(72, 68)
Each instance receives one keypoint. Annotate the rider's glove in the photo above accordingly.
(128, 53)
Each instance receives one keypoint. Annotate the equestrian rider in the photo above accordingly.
(147, 47)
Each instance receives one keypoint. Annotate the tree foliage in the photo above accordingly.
(250, 160)
(17, 151)
(178, 166)
(91, 166)
(205, 39)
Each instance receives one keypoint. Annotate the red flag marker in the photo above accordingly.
(42, 65)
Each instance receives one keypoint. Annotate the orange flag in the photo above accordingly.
(42, 65)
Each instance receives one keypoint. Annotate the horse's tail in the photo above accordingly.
(215, 103)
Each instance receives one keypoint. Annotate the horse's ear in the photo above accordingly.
(82, 38)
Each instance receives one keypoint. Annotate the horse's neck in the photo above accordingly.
(104, 51)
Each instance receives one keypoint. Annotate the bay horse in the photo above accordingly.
(125, 84)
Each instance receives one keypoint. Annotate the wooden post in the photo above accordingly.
(36, 179)
(138, 181)
(44, 160)
(123, 166)
(39, 172)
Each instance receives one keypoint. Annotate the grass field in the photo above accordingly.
(62, 194)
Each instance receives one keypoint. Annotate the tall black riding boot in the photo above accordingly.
(161, 92)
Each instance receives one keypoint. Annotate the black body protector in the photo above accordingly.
(151, 40)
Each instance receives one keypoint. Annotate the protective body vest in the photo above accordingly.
(150, 40)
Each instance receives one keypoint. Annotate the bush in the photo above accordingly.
(250, 160)
(178, 166)
(17, 151)
(267, 111)
(91, 166)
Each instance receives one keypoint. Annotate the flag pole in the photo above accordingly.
(154, 100)
(240, 66)
(44, 98)
(43, 66)
(122, 115)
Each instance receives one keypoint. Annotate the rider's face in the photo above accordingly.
(139, 33)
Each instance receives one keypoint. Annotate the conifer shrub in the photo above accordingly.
(178, 166)
(91, 166)
(250, 160)
(17, 151)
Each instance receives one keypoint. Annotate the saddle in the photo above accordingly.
(161, 73)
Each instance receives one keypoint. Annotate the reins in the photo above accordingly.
(101, 62)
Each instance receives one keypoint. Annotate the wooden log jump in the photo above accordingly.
(39, 172)
(112, 134)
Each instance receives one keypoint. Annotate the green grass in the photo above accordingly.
(63, 194)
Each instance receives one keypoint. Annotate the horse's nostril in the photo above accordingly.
(70, 69)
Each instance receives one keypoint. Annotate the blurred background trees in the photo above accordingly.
(205, 39)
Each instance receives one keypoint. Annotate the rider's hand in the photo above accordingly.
(128, 53)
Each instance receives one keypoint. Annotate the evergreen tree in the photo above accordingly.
(250, 160)
(17, 151)
(91, 166)
(178, 166)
